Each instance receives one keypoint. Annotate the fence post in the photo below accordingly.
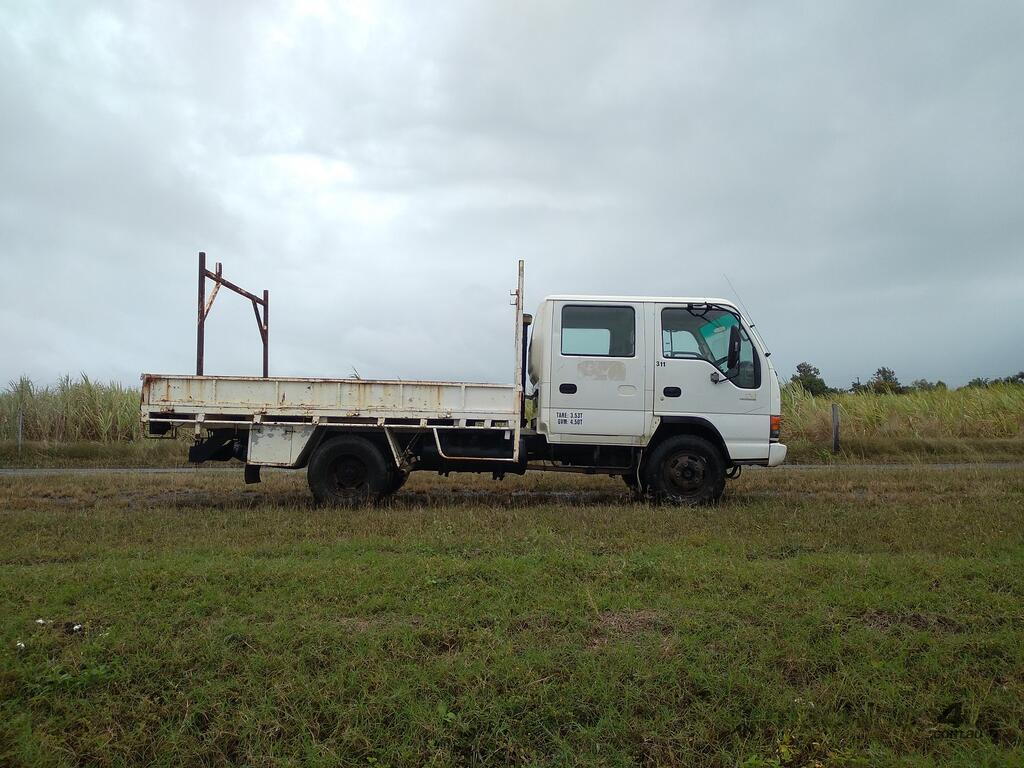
(835, 428)
(21, 427)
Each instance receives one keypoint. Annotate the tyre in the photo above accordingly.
(686, 470)
(397, 480)
(348, 470)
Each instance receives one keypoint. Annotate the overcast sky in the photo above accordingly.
(856, 169)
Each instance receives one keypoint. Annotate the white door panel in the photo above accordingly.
(698, 393)
(597, 375)
(683, 387)
(596, 421)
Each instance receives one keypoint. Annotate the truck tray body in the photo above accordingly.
(241, 400)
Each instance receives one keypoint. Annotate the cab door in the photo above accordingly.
(598, 369)
(693, 344)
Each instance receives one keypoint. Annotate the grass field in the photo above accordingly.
(995, 412)
(819, 617)
(72, 411)
(125, 453)
(85, 423)
(968, 424)
(174, 453)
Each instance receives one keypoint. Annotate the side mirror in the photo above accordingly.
(734, 348)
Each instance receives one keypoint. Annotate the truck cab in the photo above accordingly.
(635, 371)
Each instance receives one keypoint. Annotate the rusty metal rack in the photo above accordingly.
(206, 304)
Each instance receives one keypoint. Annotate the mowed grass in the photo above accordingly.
(829, 616)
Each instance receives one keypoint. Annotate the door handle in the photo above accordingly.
(672, 391)
(567, 389)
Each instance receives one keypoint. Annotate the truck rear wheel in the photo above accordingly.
(348, 470)
(686, 470)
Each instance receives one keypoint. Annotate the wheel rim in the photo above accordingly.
(684, 473)
(350, 474)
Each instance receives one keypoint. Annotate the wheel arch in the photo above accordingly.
(324, 434)
(690, 425)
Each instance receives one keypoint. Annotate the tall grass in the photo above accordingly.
(70, 412)
(993, 412)
(86, 411)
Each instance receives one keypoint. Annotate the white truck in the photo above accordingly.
(672, 394)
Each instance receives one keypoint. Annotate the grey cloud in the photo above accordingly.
(855, 169)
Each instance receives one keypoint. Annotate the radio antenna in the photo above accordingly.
(737, 295)
(745, 310)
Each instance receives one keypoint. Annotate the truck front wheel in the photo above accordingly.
(347, 471)
(686, 470)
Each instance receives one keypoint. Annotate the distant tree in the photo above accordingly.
(858, 386)
(923, 385)
(981, 381)
(809, 377)
(885, 382)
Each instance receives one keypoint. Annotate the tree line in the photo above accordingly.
(885, 382)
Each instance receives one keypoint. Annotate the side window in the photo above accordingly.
(704, 335)
(716, 336)
(596, 331)
(679, 344)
